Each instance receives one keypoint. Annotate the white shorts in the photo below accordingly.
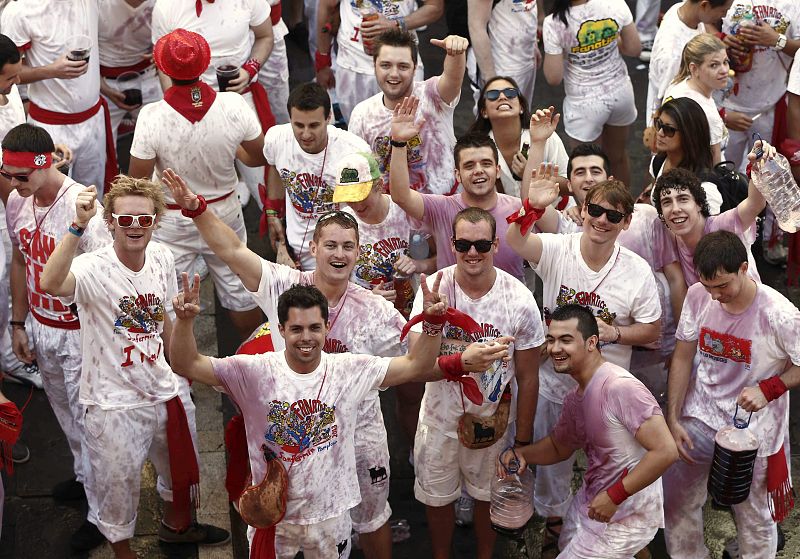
(585, 117)
(323, 540)
(372, 468)
(274, 76)
(438, 480)
(552, 493)
(187, 246)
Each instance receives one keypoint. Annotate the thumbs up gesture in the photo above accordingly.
(453, 44)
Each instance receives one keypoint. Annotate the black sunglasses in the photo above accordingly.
(494, 94)
(613, 215)
(669, 131)
(483, 246)
(21, 177)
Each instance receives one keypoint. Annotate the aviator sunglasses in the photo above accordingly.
(126, 221)
(483, 246)
(613, 216)
(509, 92)
(669, 131)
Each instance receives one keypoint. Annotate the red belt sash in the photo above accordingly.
(261, 102)
(113, 72)
(211, 201)
(51, 117)
(71, 325)
(275, 14)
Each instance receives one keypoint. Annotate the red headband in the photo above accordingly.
(27, 159)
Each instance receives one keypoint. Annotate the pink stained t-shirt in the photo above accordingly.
(438, 218)
(604, 420)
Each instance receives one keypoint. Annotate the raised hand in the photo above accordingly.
(433, 302)
(543, 124)
(181, 193)
(404, 123)
(388, 294)
(187, 302)
(543, 189)
(62, 155)
(85, 206)
(768, 149)
(479, 356)
(453, 44)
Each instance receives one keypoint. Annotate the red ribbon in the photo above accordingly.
(779, 486)
(198, 7)
(525, 217)
(772, 387)
(452, 316)
(263, 546)
(238, 465)
(453, 371)
(191, 101)
(183, 465)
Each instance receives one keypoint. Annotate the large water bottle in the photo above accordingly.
(418, 248)
(773, 178)
(512, 501)
(735, 450)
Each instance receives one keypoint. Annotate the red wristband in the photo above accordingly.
(321, 61)
(451, 365)
(252, 67)
(773, 388)
(275, 204)
(200, 208)
(720, 35)
(617, 492)
(526, 217)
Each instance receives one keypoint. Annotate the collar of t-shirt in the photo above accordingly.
(191, 101)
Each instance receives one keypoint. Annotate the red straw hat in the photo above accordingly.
(182, 54)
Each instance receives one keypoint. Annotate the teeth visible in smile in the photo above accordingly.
(596, 228)
(679, 220)
(338, 265)
(504, 106)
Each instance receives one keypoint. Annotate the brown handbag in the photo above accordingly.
(264, 505)
(476, 432)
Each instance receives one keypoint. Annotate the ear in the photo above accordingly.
(282, 330)
(744, 267)
(458, 176)
(312, 247)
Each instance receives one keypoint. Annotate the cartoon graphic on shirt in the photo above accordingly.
(761, 14)
(721, 347)
(139, 315)
(568, 295)
(301, 428)
(383, 152)
(491, 381)
(518, 6)
(388, 8)
(308, 193)
(375, 262)
(595, 34)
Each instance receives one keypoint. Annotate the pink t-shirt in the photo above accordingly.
(438, 218)
(604, 420)
(735, 351)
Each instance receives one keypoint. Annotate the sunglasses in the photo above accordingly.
(338, 213)
(494, 94)
(21, 177)
(669, 131)
(613, 215)
(483, 246)
(126, 221)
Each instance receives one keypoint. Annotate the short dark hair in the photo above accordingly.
(586, 150)
(28, 137)
(309, 97)
(9, 53)
(336, 217)
(714, 3)
(396, 37)
(475, 215)
(482, 125)
(719, 251)
(681, 179)
(474, 140)
(301, 297)
(587, 324)
(614, 192)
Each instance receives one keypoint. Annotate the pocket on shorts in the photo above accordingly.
(94, 421)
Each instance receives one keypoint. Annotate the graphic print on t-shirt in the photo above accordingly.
(139, 315)
(721, 347)
(761, 13)
(523, 5)
(455, 340)
(595, 42)
(37, 248)
(375, 262)
(308, 193)
(595, 303)
(301, 428)
(416, 167)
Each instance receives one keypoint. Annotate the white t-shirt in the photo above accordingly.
(12, 113)
(507, 309)
(621, 293)
(717, 128)
(37, 230)
(592, 62)
(554, 152)
(225, 25)
(765, 83)
(512, 31)
(203, 153)
(734, 351)
(794, 75)
(431, 167)
(665, 60)
(351, 53)
(309, 178)
(307, 420)
(122, 314)
(125, 33)
(47, 26)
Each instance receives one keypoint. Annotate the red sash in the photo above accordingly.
(275, 14)
(183, 466)
(113, 72)
(69, 325)
(192, 101)
(52, 117)
(261, 101)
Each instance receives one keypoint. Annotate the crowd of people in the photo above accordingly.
(402, 256)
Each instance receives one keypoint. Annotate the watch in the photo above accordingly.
(781, 43)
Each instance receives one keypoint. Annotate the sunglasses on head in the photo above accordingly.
(22, 177)
(494, 94)
(613, 216)
(668, 130)
(338, 213)
(483, 246)
(126, 221)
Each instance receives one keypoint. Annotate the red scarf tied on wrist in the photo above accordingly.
(191, 101)
(198, 7)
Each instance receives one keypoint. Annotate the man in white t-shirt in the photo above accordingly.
(476, 169)
(197, 132)
(592, 269)
(618, 423)
(38, 213)
(303, 157)
(737, 345)
(502, 397)
(135, 408)
(679, 25)
(125, 50)
(65, 94)
(430, 152)
(360, 23)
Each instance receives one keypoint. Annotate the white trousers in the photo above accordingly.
(553, 493)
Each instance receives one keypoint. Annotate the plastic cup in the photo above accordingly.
(130, 83)
(227, 70)
(79, 47)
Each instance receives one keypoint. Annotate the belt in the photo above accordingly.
(71, 325)
(213, 200)
(114, 72)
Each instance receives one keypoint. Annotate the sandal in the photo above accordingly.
(552, 531)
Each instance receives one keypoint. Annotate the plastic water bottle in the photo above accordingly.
(744, 63)
(773, 178)
(512, 501)
(735, 449)
(418, 248)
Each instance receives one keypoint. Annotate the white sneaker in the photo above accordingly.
(27, 374)
(647, 51)
(465, 506)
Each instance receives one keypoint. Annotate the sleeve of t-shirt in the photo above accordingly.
(530, 331)
(259, 12)
(551, 34)
(433, 98)
(646, 306)
(552, 246)
(246, 119)
(729, 221)
(86, 289)
(15, 25)
(433, 206)
(786, 325)
(688, 328)
(567, 432)
(272, 141)
(630, 402)
(794, 74)
(357, 123)
(143, 146)
(96, 235)
(386, 339)
(275, 279)
(235, 373)
(371, 372)
(623, 12)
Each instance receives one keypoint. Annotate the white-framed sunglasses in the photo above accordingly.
(126, 221)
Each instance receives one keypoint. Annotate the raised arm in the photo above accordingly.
(404, 128)
(222, 240)
(327, 26)
(543, 125)
(454, 65)
(185, 360)
(480, 11)
(542, 192)
(754, 204)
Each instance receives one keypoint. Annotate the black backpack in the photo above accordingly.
(732, 184)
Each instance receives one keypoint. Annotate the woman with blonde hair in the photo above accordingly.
(704, 69)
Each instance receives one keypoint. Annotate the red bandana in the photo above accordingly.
(27, 159)
(191, 101)
(199, 6)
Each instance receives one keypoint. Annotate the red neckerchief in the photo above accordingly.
(191, 101)
(199, 6)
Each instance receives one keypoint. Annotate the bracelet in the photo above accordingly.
(271, 213)
(773, 387)
(401, 23)
(396, 144)
(617, 492)
(252, 67)
(518, 442)
(322, 60)
(76, 229)
(619, 335)
(431, 329)
(17, 323)
(200, 208)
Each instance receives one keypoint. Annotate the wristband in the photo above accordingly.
(271, 213)
(431, 329)
(17, 323)
(401, 23)
(321, 60)
(200, 208)
(252, 67)
(617, 492)
(773, 388)
(619, 335)
(276, 205)
(396, 144)
(518, 442)
(526, 217)
(76, 229)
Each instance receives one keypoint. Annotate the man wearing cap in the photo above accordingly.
(39, 213)
(197, 132)
(65, 94)
(360, 322)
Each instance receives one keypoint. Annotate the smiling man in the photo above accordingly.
(592, 269)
